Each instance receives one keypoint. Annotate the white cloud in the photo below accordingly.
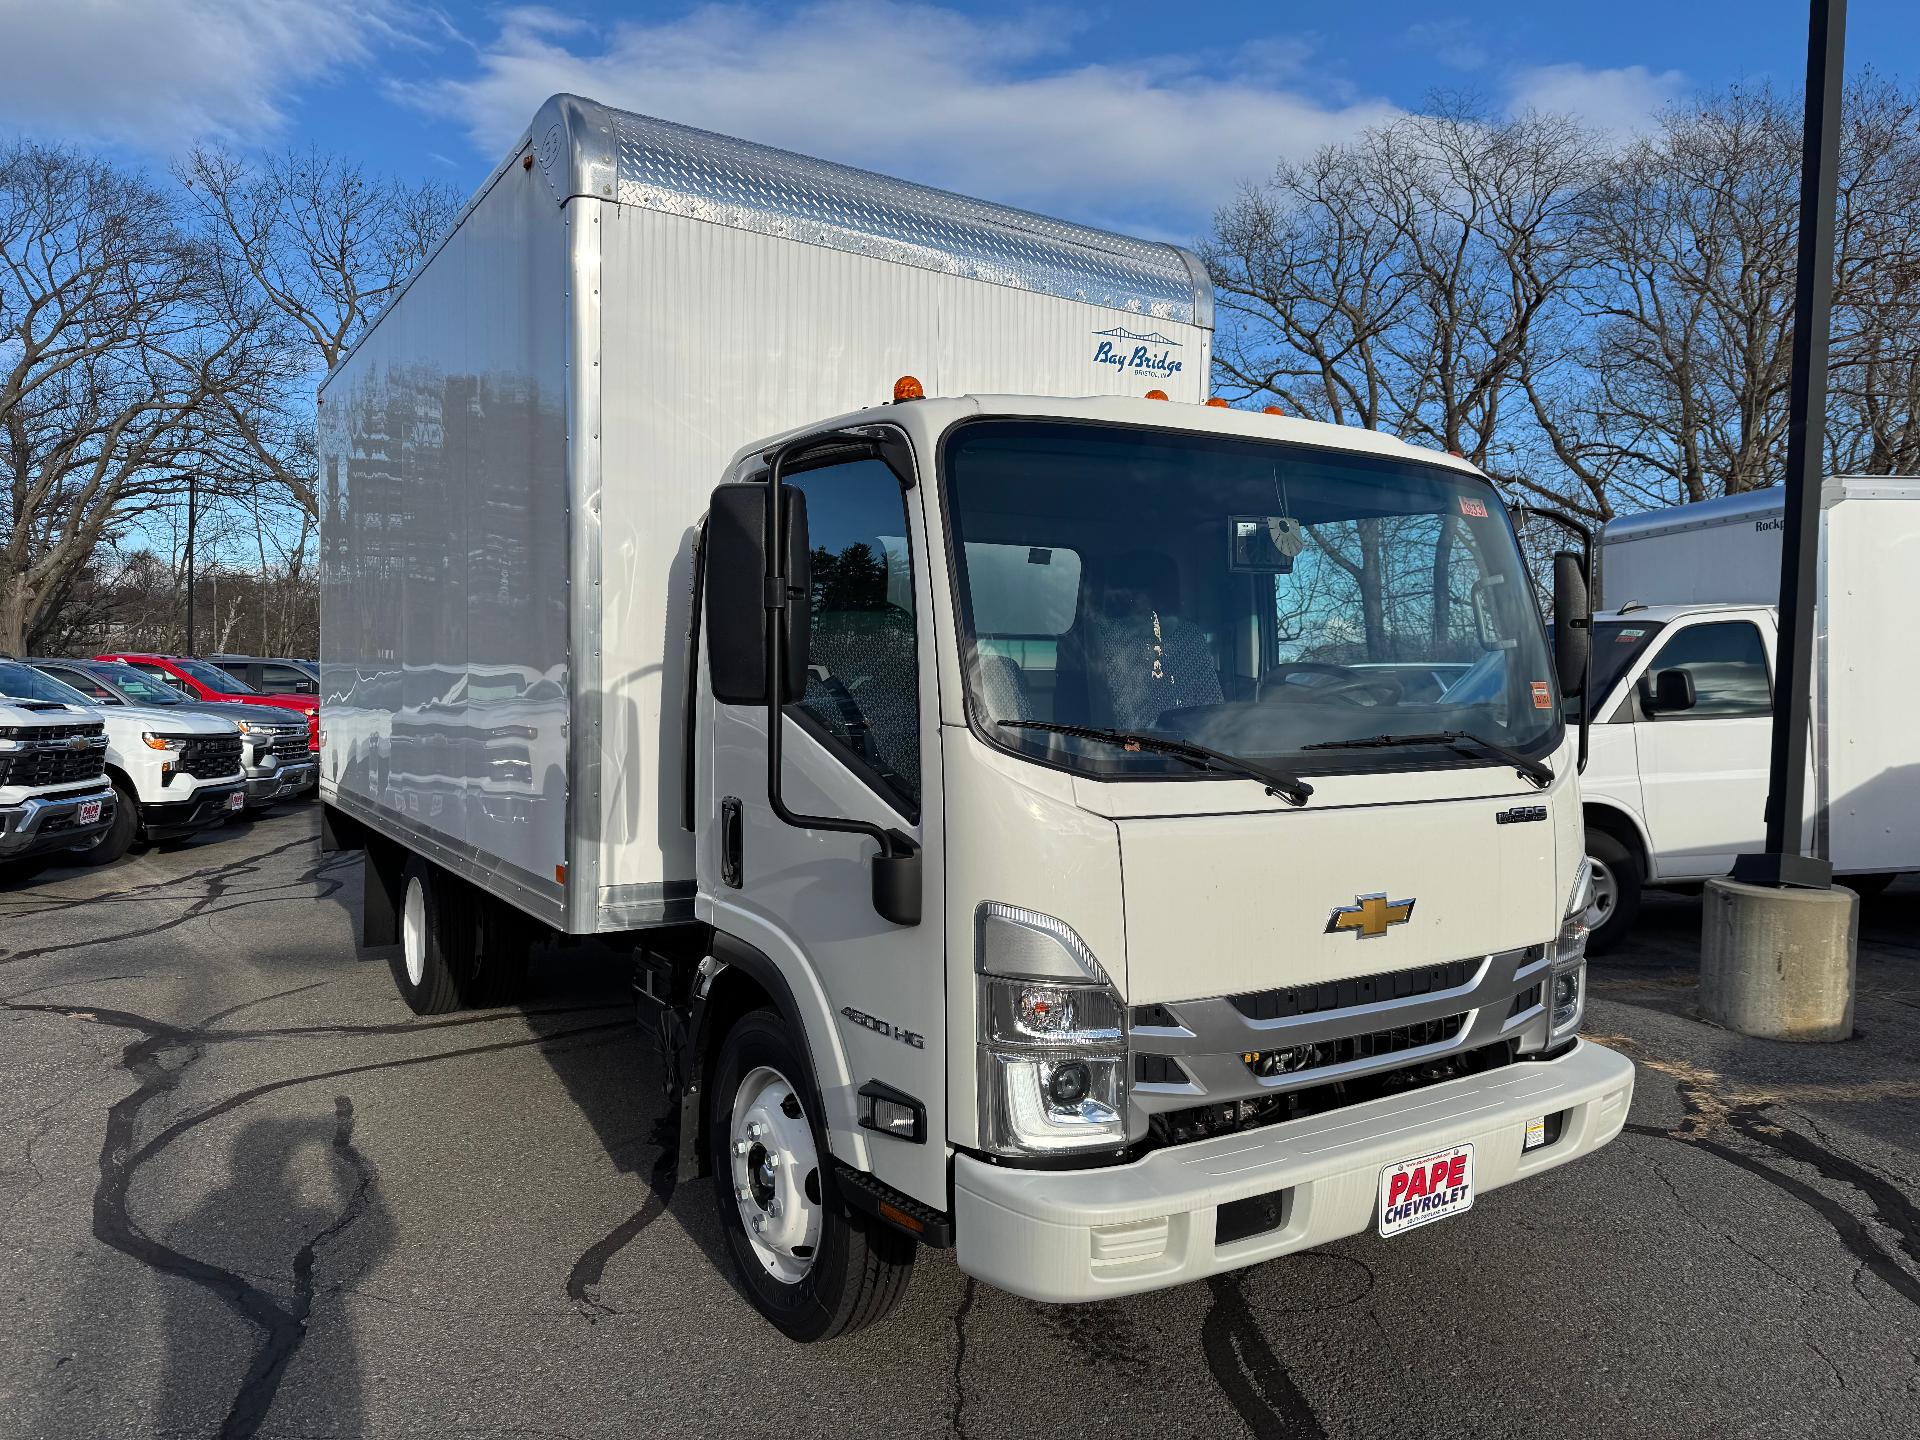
(996, 108)
(1617, 102)
(158, 74)
(1450, 42)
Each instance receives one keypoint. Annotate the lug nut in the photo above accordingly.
(741, 1147)
(773, 1161)
(759, 1224)
(773, 1209)
(756, 1129)
(743, 1193)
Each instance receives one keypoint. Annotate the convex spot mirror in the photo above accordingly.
(1572, 623)
(736, 583)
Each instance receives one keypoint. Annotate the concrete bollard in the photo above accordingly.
(1778, 963)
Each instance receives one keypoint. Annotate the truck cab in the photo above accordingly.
(1676, 785)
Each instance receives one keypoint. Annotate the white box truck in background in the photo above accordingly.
(1683, 662)
(1089, 904)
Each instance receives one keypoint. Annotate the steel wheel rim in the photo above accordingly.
(1606, 894)
(413, 931)
(774, 1171)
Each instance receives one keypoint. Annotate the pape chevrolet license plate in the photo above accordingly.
(236, 800)
(89, 812)
(1433, 1187)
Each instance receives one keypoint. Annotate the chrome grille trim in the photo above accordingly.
(1209, 1036)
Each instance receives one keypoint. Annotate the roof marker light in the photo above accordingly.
(907, 388)
(1156, 394)
(1218, 403)
(1273, 410)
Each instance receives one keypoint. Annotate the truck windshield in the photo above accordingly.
(138, 688)
(23, 682)
(214, 678)
(1259, 598)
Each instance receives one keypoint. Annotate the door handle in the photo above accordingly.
(731, 839)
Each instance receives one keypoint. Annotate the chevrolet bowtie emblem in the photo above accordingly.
(1370, 918)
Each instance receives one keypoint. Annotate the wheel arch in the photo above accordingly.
(1622, 826)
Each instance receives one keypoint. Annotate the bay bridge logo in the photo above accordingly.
(1149, 354)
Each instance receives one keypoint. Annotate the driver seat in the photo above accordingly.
(1124, 691)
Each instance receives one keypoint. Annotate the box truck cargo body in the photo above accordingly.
(1685, 641)
(1011, 805)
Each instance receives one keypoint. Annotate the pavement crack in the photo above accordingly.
(956, 1416)
(589, 1269)
(1254, 1381)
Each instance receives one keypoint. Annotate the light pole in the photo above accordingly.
(1777, 939)
(193, 505)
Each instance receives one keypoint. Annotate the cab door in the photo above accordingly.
(861, 743)
(1703, 765)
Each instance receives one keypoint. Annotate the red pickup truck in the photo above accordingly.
(204, 681)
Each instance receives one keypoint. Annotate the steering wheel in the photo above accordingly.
(1345, 683)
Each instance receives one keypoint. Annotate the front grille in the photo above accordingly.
(53, 767)
(208, 757)
(1360, 990)
(1348, 1048)
(78, 730)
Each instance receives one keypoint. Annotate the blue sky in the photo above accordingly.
(1137, 115)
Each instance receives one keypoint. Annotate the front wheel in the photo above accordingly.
(114, 841)
(1616, 891)
(809, 1264)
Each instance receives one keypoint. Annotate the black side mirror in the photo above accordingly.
(1673, 690)
(1572, 623)
(736, 582)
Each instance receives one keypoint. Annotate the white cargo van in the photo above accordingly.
(1015, 849)
(1683, 662)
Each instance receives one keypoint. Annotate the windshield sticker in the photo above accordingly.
(1627, 637)
(1473, 509)
(1542, 695)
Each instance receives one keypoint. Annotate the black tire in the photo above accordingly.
(860, 1268)
(497, 970)
(118, 837)
(1621, 866)
(428, 943)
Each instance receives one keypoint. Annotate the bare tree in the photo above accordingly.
(114, 339)
(324, 246)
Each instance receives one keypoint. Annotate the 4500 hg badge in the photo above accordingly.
(885, 1027)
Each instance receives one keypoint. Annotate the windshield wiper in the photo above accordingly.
(1278, 783)
(1541, 775)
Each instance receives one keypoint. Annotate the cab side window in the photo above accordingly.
(863, 674)
(157, 673)
(284, 680)
(1726, 663)
(85, 684)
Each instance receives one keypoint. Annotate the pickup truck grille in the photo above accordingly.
(53, 767)
(1250, 1059)
(51, 758)
(209, 757)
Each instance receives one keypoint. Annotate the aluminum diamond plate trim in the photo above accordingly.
(682, 171)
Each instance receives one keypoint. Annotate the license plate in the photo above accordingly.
(1432, 1187)
(236, 800)
(89, 812)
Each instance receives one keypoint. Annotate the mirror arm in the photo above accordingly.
(1585, 532)
(893, 844)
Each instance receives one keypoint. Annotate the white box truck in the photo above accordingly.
(1014, 849)
(1683, 662)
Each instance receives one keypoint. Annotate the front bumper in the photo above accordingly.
(209, 806)
(43, 823)
(280, 783)
(1065, 1236)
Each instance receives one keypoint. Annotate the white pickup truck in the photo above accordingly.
(1683, 660)
(53, 789)
(172, 773)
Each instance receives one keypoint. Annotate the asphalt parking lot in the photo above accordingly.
(243, 1191)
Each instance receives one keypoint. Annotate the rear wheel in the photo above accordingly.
(1617, 880)
(497, 968)
(426, 964)
(114, 841)
(810, 1265)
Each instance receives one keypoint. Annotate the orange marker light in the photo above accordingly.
(1273, 410)
(907, 388)
(560, 874)
(1218, 403)
(1156, 394)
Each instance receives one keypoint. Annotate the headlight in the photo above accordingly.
(1053, 1056)
(158, 741)
(1568, 995)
